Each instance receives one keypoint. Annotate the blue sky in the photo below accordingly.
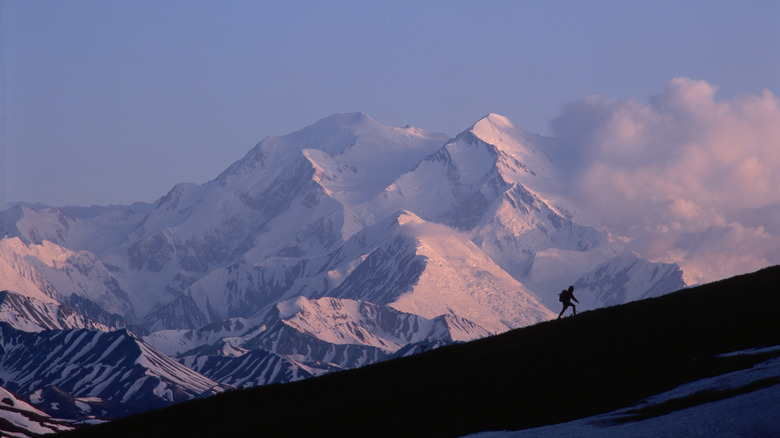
(115, 102)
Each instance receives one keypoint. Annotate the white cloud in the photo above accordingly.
(677, 173)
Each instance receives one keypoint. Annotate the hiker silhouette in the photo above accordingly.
(565, 297)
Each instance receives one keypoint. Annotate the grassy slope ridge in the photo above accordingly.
(547, 373)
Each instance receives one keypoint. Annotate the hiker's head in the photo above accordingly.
(571, 288)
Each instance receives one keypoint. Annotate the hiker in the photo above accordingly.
(565, 297)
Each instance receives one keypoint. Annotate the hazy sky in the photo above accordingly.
(107, 102)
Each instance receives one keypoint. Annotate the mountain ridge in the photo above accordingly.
(115, 369)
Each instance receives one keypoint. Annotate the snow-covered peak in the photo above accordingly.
(461, 279)
(48, 272)
(519, 153)
(35, 225)
(492, 121)
(357, 136)
(459, 183)
(16, 273)
(354, 120)
(499, 130)
(400, 224)
(429, 269)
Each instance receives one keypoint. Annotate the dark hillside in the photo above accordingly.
(551, 372)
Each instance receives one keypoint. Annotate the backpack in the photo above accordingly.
(562, 296)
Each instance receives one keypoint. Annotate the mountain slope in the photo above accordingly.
(254, 368)
(115, 369)
(737, 403)
(429, 270)
(32, 315)
(610, 358)
(401, 261)
(52, 273)
(299, 337)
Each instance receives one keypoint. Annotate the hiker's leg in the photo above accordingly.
(561, 314)
(574, 309)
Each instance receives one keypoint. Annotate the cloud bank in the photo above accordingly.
(690, 179)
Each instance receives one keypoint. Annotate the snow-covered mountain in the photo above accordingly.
(49, 272)
(109, 373)
(429, 269)
(422, 268)
(335, 246)
(32, 315)
(299, 338)
(349, 333)
(626, 278)
(289, 197)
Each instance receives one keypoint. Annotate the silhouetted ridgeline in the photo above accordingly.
(551, 372)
